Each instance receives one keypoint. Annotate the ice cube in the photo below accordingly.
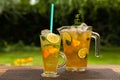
(83, 27)
(73, 28)
(45, 32)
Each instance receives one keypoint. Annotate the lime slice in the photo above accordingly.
(82, 52)
(67, 37)
(53, 38)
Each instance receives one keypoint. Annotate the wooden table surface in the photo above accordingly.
(94, 72)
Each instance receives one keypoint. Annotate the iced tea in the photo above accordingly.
(50, 47)
(76, 47)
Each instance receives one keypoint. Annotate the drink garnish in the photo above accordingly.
(66, 36)
(45, 53)
(75, 42)
(68, 42)
(48, 51)
(88, 39)
(43, 38)
(53, 38)
(82, 53)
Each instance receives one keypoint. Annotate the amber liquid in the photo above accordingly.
(49, 65)
(79, 40)
(50, 54)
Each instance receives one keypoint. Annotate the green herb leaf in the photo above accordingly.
(88, 39)
(43, 38)
(68, 42)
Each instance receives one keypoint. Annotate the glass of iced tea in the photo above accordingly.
(76, 43)
(50, 47)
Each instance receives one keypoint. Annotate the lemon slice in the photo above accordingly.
(66, 36)
(53, 38)
(82, 52)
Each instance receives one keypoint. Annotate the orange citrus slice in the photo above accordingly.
(53, 38)
(52, 50)
(45, 53)
(49, 51)
(82, 52)
(75, 43)
(30, 59)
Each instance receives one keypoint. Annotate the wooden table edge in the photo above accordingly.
(3, 69)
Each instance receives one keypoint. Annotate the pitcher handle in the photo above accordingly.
(65, 59)
(96, 36)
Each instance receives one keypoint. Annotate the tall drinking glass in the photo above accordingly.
(50, 47)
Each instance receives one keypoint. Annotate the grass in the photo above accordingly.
(108, 55)
(8, 57)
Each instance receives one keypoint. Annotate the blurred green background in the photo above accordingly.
(22, 20)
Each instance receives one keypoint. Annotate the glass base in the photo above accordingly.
(50, 74)
(76, 69)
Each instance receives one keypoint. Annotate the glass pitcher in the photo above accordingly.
(76, 43)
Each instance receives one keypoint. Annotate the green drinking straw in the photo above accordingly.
(51, 17)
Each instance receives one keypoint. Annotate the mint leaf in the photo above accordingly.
(43, 38)
(68, 42)
(88, 39)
